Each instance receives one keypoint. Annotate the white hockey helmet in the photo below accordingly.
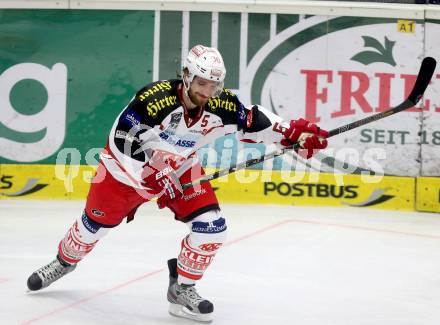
(205, 62)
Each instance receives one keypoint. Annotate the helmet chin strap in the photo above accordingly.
(186, 86)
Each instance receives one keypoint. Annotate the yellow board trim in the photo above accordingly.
(45, 182)
(428, 194)
(246, 186)
(320, 189)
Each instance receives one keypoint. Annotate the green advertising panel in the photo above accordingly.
(68, 74)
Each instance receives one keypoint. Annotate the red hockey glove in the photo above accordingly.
(163, 182)
(308, 135)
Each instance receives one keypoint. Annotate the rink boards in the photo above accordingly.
(338, 64)
(249, 186)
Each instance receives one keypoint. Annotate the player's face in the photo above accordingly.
(201, 90)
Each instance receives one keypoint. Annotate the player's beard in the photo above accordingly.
(196, 99)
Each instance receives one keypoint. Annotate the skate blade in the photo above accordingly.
(183, 312)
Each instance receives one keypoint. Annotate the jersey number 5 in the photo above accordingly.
(204, 121)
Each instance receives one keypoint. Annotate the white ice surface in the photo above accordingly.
(282, 265)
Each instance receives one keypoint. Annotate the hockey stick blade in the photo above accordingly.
(423, 78)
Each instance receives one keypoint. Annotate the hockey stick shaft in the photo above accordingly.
(423, 78)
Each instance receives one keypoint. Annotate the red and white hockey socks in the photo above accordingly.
(208, 233)
(80, 239)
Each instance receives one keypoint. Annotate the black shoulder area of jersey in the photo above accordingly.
(156, 100)
(228, 107)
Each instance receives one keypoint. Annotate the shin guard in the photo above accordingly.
(208, 233)
(80, 239)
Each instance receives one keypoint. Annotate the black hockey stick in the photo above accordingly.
(423, 78)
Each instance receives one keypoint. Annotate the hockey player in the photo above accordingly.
(151, 150)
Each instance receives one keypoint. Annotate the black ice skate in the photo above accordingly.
(49, 273)
(185, 301)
